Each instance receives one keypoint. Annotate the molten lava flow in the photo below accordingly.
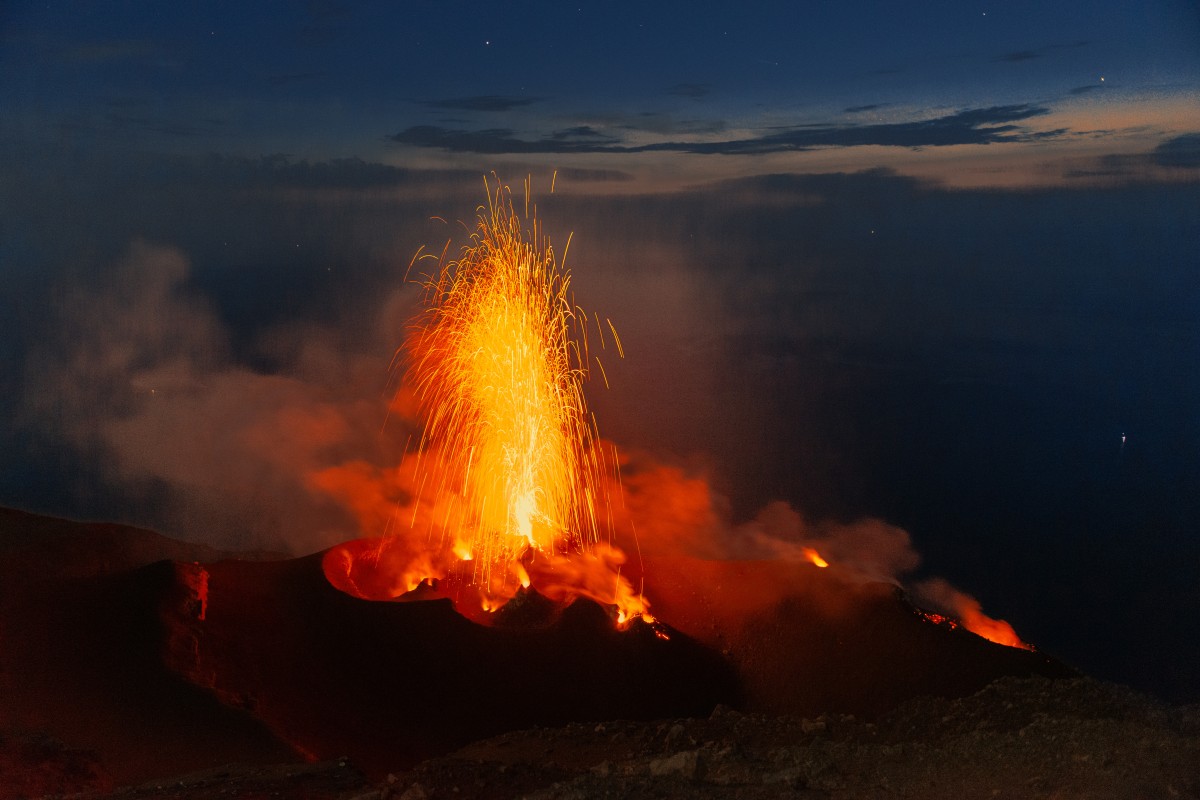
(511, 479)
(968, 612)
(994, 630)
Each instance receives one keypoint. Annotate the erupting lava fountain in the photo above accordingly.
(512, 484)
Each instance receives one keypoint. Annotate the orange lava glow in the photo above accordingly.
(939, 619)
(512, 479)
(994, 630)
(967, 610)
(815, 558)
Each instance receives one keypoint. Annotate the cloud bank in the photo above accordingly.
(990, 125)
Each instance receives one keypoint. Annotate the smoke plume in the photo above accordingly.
(140, 380)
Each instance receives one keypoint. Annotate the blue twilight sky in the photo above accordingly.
(798, 86)
(933, 264)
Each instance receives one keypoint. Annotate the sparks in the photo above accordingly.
(510, 449)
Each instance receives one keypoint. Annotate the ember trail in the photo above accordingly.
(499, 377)
(512, 480)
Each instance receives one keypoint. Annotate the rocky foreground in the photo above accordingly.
(1017, 738)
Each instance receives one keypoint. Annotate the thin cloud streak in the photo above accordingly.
(973, 126)
(1018, 56)
(483, 102)
(1030, 54)
(294, 78)
(693, 90)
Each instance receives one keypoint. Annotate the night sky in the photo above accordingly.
(930, 264)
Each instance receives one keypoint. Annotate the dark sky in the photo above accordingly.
(933, 264)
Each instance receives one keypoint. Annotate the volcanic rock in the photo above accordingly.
(390, 683)
(81, 663)
(120, 644)
(140, 656)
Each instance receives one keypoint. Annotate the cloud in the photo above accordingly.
(1177, 153)
(582, 134)
(483, 102)
(489, 141)
(1091, 87)
(294, 77)
(581, 175)
(861, 109)
(1182, 151)
(1019, 55)
(281, 171)
(649, 121)
(666, 124)
(972, 126)
(693, 90)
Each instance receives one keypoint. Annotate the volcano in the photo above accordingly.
(152, 657)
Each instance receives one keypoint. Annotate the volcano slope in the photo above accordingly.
(390, 683)
(138, 656)
(807, 641)
(86, 700)
(129, 656)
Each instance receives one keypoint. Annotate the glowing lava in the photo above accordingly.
(512, 476)
(815, 558)
(967, 612)
(994, 630)
(498, 376)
